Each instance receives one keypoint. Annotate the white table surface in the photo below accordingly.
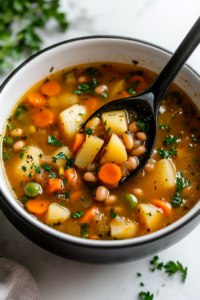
(162, 22)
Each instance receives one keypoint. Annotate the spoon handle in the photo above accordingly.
(170, 71)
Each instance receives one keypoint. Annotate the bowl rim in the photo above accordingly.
(137, 241)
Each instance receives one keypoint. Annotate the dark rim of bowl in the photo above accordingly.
(116, 244)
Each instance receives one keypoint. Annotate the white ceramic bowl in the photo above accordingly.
(68, 54)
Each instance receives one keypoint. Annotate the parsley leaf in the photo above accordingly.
(52, 175)
(10, 126)
(5, 156)
(163, 127)
(77, 214)
(21, 155)
(139, 275)
(37, 169)
(172, 267)
(194, 139)
(52, 141)
(179, 184)
(143, 126)
(93, 72)
(128, 76)
(85, 234)
(170, 140)
(167, 153)
(85, 225)
(176, 200)
(60, 155)
(67, 195)
(113, 215)
(146, 296)
(46, 167)
(97, 169)
(89, 131)
(130, 90)
(108, 130)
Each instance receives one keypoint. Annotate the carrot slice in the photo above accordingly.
(88, 215)
(54, 185)
(36, 99)
(110, 173)
(78, 142)
(37, 207)
(136, 78)
(76, 196)
(124, 94)
(91, 103)
(51, 88)
(70, 174)
(165, 206)
(44, 118)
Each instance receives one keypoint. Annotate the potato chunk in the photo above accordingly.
(116, 121)
(65, 100)
(24, 166)
(121, 229)
(88, 151)
(118, 87)
(115, 151)
(149, 215)
(57, 213)
(71, 119)
(66, 151)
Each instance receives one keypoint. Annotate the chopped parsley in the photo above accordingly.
(80, 114)
(129, 75)
(143, 126)
(5, 156)
(170, 140)
(155, 263)
(10, 126)
(94, 83)
(21, 155)
(52, 175)
(139, 275)
(167, 153)
(97, 169)
(85, 225)
(25, 199)
(113, 215)
(37, 169)
(46, 167)
(93, 72)
(89, 131)
(26, 148)
(163, 127)
(105, 123)
(60, 155)
(40, 155)
(176, 200)
(85, 234)
(77, 214)
(195, 160)
(146, 296)
(108, 130)
(179, 184)
(67, 195)
(172, 267)
(65, 180)
(82, 198)
(194, 139)
(105, 95)
(187, 183)
(141, 284)
(24, 168)
(52, 141)
(130, 90)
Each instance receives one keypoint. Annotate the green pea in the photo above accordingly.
(9, 141)
(131, 201)
(33, 189)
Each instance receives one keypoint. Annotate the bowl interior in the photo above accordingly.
(79, 51)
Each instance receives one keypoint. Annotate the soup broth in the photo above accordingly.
(68, 180)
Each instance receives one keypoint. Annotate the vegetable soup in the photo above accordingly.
(67, 177)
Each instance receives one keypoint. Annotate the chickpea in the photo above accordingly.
(110, 200)
(128, 141)
(133, 161)
(138, 151)
(93, 123)
(133, 127)
(16, 132)
(100, 89)
(149, 166)
(137, 192)
(18, 145)
(101, 193)
(90, 177)
(141, 136)
(82, 79)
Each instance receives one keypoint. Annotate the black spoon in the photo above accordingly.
(146, 105)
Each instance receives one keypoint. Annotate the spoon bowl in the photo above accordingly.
(146, 104)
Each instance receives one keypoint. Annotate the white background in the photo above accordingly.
(162, 22)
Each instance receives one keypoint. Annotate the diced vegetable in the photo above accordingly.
(115, 151)
(36, 99)
(32, 129)
(54, 185)
(25, 166)
(165, 206)
(88, 215)
(51, 88)
(64, 100)
(118, 87)
(78, 141)
(71, 120)
(64, 150)
(33, 189)
(70, 174)
(57, 213)
(131, 201)
(121, 229)
(110, 173)
(88, 151)
(149, 215)
(91, 103)
(161, 179)
(44, 118)
(37, 207)
(70, 78)
(116, 121)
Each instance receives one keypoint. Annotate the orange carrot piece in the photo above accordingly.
(78, 141)
(88, 215)
(44, 118)
(165, 206)
(76, 196)
(70, 175)
(54, 185)
(124, 94)
(91, 103)
(136, 78)
(36, 99)
(51, 88)
(37, 207)
(110, 173)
